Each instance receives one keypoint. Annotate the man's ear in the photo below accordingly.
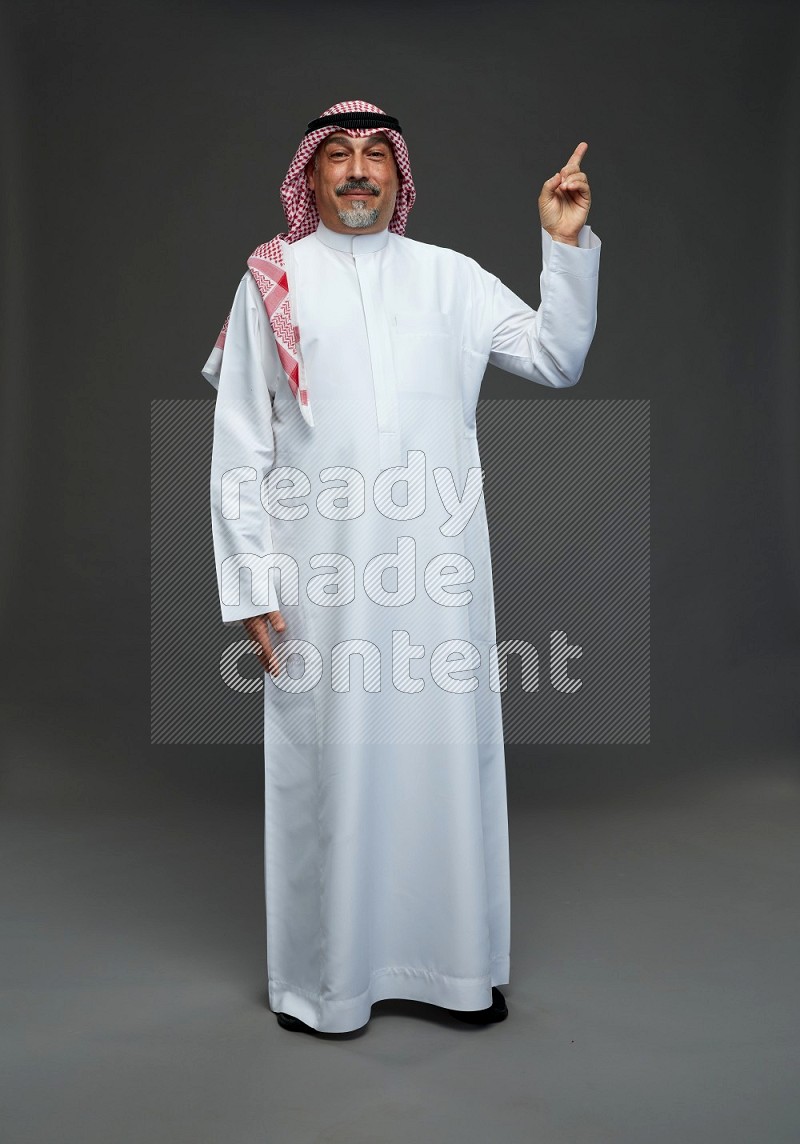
(310, 174)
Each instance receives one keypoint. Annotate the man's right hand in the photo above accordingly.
(257, 628)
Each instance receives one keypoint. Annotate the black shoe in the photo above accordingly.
(497, 1011)
(287, 1021)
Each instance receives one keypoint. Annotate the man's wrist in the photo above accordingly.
(571, 240)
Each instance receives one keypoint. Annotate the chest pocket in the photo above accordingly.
(427, 353)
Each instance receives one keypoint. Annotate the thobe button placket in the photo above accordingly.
(367, 252)
(380, 351)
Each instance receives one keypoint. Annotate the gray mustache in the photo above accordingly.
(370, 188)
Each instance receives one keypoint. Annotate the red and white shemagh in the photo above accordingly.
(266, 263)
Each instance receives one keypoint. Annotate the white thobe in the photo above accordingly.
(386, 829)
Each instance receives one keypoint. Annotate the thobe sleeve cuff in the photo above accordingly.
(233, 585)
(233, 615)
(581, 261)
(211, 370)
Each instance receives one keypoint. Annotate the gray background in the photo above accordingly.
(654, 926)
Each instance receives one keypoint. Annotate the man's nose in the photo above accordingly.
(358, 167)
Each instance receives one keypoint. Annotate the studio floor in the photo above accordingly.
(654, 960)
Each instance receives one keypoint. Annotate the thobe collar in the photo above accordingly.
(352, 243)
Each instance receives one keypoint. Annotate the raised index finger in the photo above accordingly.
(574, 162)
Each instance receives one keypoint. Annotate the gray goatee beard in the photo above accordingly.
(359, 215)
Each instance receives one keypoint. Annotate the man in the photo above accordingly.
(347, 377)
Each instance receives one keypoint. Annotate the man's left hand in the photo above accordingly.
(565, 199)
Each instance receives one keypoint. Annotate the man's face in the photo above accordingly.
(355, 182)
